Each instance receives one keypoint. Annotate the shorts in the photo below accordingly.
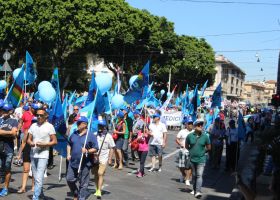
(155, 150)
(98, 170)
(119, 143)
(6, 161)
(26, 153)
(183, 158)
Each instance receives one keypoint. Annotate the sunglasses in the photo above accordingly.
(76, 109)
(199, 125)
(40, 115)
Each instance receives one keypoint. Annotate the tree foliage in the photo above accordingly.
(61, 32)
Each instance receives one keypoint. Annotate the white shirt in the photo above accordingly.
(157, 133)
(107, 145)
(232, 135)
(182, 135)
(41, 133)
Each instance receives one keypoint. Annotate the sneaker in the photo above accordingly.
(188, 183)
(4, 192)
(198, 195)
(192, 192)
(139, 175)
(97, 193)
(45, 174)
(151, 169)
(159, 169)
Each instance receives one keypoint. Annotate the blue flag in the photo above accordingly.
(241, 126)
(217, 97)
(55, 82)
(203, 88)
(58, 121)
(30, 71)
(92, 90)
(139, 88)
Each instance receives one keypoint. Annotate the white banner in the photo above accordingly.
(173, 118)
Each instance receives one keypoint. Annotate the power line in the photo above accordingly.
(229, 2)
(240, 33)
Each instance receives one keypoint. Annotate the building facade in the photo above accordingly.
(230, 76)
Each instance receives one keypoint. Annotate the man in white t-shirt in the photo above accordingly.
(106, 144)
(158, 141)
(184, 165)
(41, 137)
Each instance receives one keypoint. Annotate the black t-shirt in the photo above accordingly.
(7, 125)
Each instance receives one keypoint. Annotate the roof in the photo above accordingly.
(271, 81)
(223, 59)
(256, 84)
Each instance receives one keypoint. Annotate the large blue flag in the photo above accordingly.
(58, 121)
(55, 81)
(139, 88)
(92, 90)
(241, 126)
(217, 97)
(30, 71)
(194, 104)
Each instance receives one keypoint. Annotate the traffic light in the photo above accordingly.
(275, 101)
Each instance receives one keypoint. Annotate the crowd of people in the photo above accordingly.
(26, 134)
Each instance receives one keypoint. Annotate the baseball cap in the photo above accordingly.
(136, 112)
(125, 109)
(7, 107)
(198, 121)
(82, 119)
(156, 115)
(102, 122)
(26, 108)
(35, 106)
(187, 120)
(120, 114)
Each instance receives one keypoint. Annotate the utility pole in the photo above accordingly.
(169, 80)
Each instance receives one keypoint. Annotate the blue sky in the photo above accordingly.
(201, 19)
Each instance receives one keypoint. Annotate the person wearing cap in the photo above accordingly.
(184, 165)
(106, 144)
(217, 134)
(232, 146)
(198, 143)
(138, 125)
(120, 129)
(82, 144)
(8, 131)
(128, 132)
(41, 137)
(158, 141)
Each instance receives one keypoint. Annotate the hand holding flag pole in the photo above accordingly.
(88, 129)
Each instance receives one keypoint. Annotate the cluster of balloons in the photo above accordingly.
(46, 92)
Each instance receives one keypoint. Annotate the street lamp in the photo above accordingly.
(6, 57)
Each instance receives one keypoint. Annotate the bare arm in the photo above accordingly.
(68, 152)
(208, 147)
(30, 140)
(164, 139)
(11, 133)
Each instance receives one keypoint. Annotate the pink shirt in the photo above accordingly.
(143, 142)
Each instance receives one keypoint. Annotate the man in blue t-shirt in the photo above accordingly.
(76, 150)
(8, 132)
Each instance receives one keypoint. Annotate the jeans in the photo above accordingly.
(38, 166)
(83, 178)
(142, 156)
(197, 171)
(125, 150)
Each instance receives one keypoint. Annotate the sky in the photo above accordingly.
(206, 19)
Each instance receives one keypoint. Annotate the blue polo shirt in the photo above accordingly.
(76, 143)
(7, 125)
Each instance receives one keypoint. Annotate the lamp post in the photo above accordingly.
(6, 57)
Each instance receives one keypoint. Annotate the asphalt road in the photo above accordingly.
(123, 185)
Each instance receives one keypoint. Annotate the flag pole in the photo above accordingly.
(60, 166)
(88, 129)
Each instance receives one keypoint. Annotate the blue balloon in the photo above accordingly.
(47, 94)
(132, 80)
(16, 73)
(162, 92)
(104, 82)
(168, 94)
(44, 84)
(117, 101)
(3, 84)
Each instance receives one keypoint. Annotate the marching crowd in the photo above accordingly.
(26, 134)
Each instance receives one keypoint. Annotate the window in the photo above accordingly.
(232, 80)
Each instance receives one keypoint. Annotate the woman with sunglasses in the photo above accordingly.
(119, 131)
